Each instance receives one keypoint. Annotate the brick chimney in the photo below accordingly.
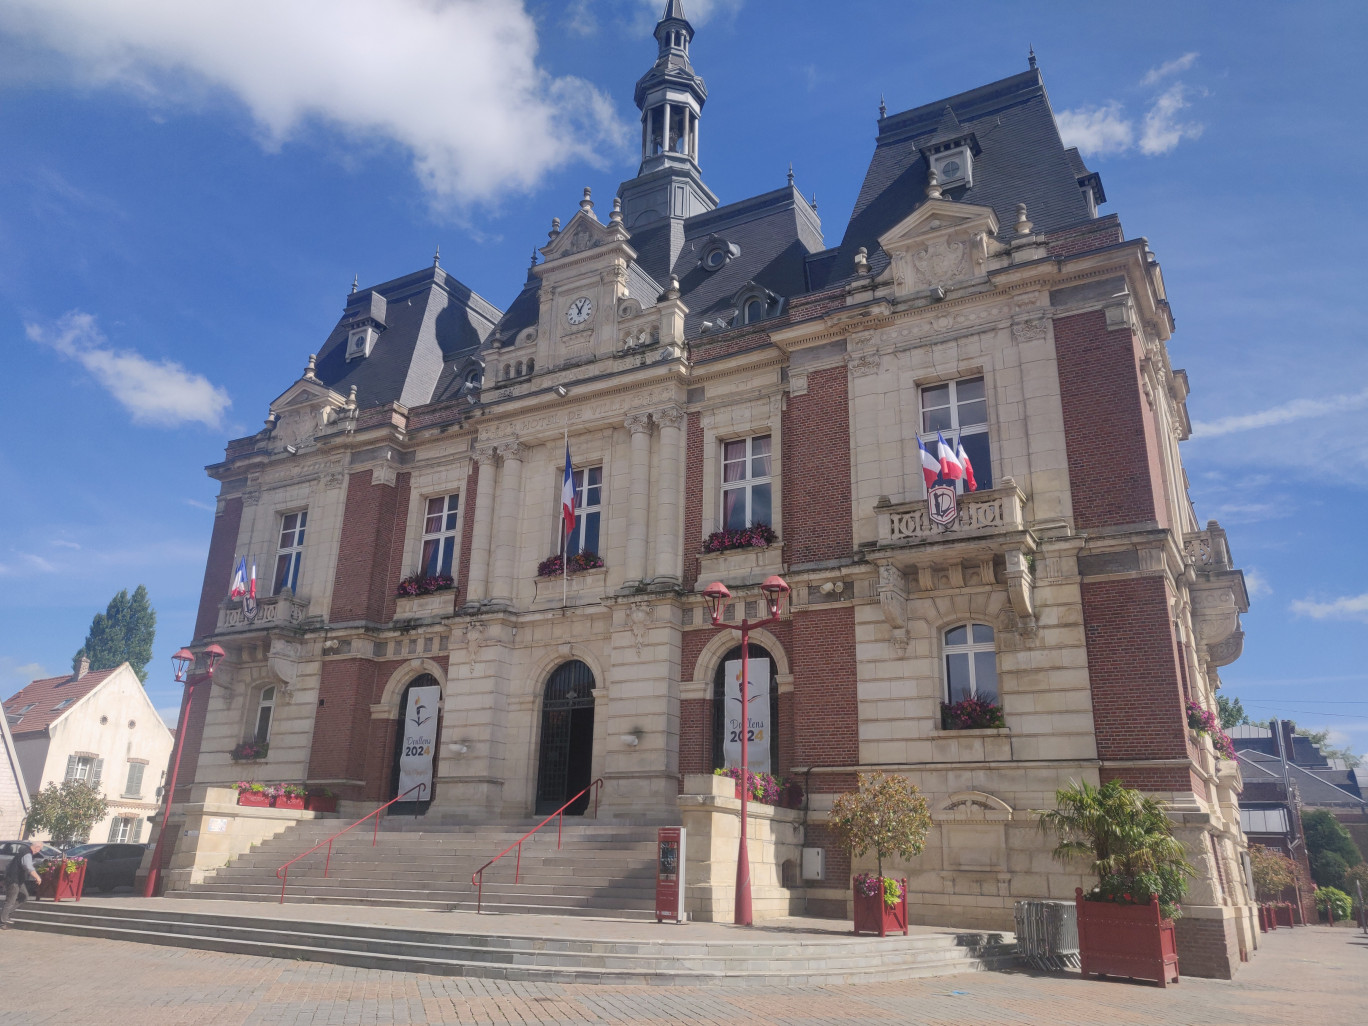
(82, 668)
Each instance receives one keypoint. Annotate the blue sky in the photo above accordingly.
(188, 189)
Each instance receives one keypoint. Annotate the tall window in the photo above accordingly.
(439, 535)
(970, 663)
(133, 787)
(265, 709)
(291, 551)
(588, 507)
(959, 411)
(746, 486)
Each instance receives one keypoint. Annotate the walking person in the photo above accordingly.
(17, 874)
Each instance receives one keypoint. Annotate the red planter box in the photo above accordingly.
(1126, 940)
(1283, 914)
(873, 916)
(290, 801)
(321, 803)
(254, 800)
(58, 884)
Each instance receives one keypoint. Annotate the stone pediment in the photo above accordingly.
(302, 411)
(584, 233)
(940, 244)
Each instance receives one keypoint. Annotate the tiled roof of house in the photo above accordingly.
(41, 703)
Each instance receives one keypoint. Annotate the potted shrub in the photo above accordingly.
(250, 751)
(291, 796)
(757, 536)
(889, 817)
(971, 714)
(62, 878)
(555, 566)
(1125, 923)
(320, 799)
(424, 584)
(253, 794)
(766, 789)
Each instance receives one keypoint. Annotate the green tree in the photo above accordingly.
(887, 815)
(1328, 869)
(122, 633)
(1231, 712)
(1324, 833)
(1274, 872)
(66, 811)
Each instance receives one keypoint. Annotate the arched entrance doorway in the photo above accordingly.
(565, 765)
(423, 680)
(757, 653)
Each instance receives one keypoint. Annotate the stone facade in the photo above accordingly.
(1107, 605)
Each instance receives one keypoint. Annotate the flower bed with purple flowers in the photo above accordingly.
(870, 885)
(971, 714)
(766, 789)
(422, 584)
(1204, 721)
(554, 566)
(250, 751)
(757, 536)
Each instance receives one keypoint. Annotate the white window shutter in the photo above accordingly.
(71, 768)
(113, 830)
(96, 771)
(137, 831)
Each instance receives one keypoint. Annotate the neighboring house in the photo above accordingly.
(96, 725)
(14, 799)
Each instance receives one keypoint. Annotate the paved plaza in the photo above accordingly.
(1314, 976)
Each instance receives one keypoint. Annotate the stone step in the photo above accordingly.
(823, 961)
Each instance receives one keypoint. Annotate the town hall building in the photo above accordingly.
(744, 393)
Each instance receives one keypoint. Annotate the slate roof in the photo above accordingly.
(1318, 788)
(45, 696)
(1021, 159)
(433, 325)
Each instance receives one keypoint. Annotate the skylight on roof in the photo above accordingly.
(64, 702)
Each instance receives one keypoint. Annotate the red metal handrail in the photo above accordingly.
(420, 787)
(477, 877)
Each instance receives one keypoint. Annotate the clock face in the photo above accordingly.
(580, 310)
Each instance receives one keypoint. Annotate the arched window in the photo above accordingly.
(970, 663)
(508, 372)
(517, 372)
(265, 710)
(754, 310)
(473, 376)
(531, 364)
(757, 655)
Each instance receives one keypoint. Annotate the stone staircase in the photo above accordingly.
(760, 957)
(598, 870)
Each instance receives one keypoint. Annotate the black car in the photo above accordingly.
(111, 865)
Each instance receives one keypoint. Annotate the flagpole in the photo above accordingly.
(565, 535)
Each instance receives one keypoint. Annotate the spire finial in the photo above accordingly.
(883, 107)
(587, 204)
(534, 256)
(1023, 224)
(437, 255)
(555, 228)
(616, 216)
(814, 203)
(1031, 59)
(313, 363)
(933, 190)
(790, 173)
(356, 278)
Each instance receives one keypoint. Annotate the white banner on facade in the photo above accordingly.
(420, 742)
(759, 725)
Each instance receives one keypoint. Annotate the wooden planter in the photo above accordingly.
(290, 801)
(254, 800)
(1282, 914)
(1126, 940)
(59, 883)
(321, 803)
(873, 916)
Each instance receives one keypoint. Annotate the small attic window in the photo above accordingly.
(716, 252)
(63, 704)
(954, 166)
(360, 343)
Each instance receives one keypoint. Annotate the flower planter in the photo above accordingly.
(58, 882)
(254, 799)
(1282, 914)
(1132, 941)
(321, 803)
(290, 801)
(872, 915)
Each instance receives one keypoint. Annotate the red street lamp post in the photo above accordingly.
(182, 660)
(716, 593)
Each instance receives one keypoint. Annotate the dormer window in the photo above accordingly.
(954, 166)
(716, 252)
(360, 342)
(756, 303)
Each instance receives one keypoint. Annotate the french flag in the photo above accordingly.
(930, 465)
(238, 587)
(251, 584)
(950, 467)
(970, 484)
(568, 494)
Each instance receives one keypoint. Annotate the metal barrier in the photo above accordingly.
(477, 878)
(1047, 934)
(420, 788)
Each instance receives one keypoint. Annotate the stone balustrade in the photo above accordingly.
(995, 511)
(284, 609)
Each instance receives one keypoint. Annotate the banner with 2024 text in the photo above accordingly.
(420, 742)
(758, 691)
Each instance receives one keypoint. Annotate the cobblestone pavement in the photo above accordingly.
(1315, 976)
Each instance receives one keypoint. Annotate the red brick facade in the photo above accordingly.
(468, 496)
(370, 553)
(817, 499)
(218, 568)
(825, 697)
(693, 500)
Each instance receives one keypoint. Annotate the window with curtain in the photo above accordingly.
(970, 663)
(588, 512)
(439, 535)
(746, 484)
(958, 410)
(290, 553)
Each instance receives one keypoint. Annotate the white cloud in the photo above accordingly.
(1168, 68)
(63, 543)
(1285, 413)
(1163, 131)
(454, 82)
(1097, 131)
(13, 671)
(1347, 607)
(201, 505)
(154, 392)
(1256, 583)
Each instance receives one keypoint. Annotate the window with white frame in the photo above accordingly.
(84, 767)
(970, 663)
(747, 497)
(290, 553)
(133, 786)
(439, 535)
(265, 710)
(124, 830)
(588, 510)
(958, 411)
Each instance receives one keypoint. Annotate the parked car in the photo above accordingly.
(9, 849)
(112, 865)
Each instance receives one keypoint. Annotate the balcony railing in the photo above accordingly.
(1208, 549)
(996, 511)
(278, 610)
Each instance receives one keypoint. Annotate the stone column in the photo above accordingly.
(671, 420)
(477, 586)
(501, 587)
(639, 424)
